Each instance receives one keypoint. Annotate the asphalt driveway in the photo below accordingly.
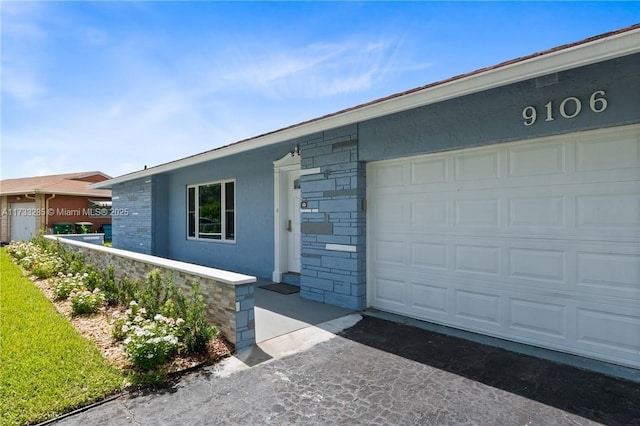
(379, 372)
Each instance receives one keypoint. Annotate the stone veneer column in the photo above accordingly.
(131, 223)
(334, 222)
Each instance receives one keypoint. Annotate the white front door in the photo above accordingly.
(23, 221)
(287, 235)
(293, 220)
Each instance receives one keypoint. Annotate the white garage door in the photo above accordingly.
(537, 242)
(23, 221)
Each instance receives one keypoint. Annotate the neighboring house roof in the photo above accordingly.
(595, 49)
(64, 184)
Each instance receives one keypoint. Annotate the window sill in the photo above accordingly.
(211, 240)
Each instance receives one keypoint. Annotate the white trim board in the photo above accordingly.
(340, 247)
(314, 171)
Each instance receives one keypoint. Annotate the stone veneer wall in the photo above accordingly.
(132, 215)
(334, 221)
(229, 296)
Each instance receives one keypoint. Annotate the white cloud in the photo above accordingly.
(19, 20)
(21, 84)
(41, 165)
(316, 70)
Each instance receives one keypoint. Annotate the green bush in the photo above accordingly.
(162, 296)
(46, 266)
(148, 342)
(197, 332)
(36, 259)
(103, 279)
(155, 291)
(85, 302)
(127, 290)
(64, 285)
(151, 343)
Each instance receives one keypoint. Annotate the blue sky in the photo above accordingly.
(115, 86)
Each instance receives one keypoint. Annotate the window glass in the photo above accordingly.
(230, 219)
(211, 211)
(191, 213)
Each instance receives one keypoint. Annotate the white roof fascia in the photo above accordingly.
(614, 46)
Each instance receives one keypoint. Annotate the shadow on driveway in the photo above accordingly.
(587, 394)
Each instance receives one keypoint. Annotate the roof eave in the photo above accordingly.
(601, 49)
(72, 193)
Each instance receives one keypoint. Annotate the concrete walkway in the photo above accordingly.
(278, 314)
(313, 376)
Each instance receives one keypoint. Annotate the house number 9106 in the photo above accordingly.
(569, 108)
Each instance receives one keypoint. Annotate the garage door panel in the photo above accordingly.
(391, 212)
(429, 298)
(484, 212)
(539, 318)
(429, 171)
(477, 259)
(537, 160)
(606, 211)
(604, 330)
(537, 242)
(537, 264)
(537, 212)
(390, 175)
(475, 306)
(429, 213)
(390, 292)
(611, 273)
(602, 153)
(477, 166)
(429, 255)
(390, 252)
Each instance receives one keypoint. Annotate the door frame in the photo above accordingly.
(281, 168)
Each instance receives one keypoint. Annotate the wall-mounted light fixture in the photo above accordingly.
(296, 151)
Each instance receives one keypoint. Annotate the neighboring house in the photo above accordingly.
(36, 204)
(505, 201)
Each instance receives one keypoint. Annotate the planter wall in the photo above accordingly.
(229, 296)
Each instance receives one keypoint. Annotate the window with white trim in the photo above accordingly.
(211, 211)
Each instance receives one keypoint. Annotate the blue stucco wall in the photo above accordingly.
(495, 116)
(252, 251)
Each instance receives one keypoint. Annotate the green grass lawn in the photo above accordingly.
(46, 367)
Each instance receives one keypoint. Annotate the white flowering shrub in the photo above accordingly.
(20, 249)
(84, 301)
(47, 265)
(63, 285)
(148, 342)
(36, 259)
